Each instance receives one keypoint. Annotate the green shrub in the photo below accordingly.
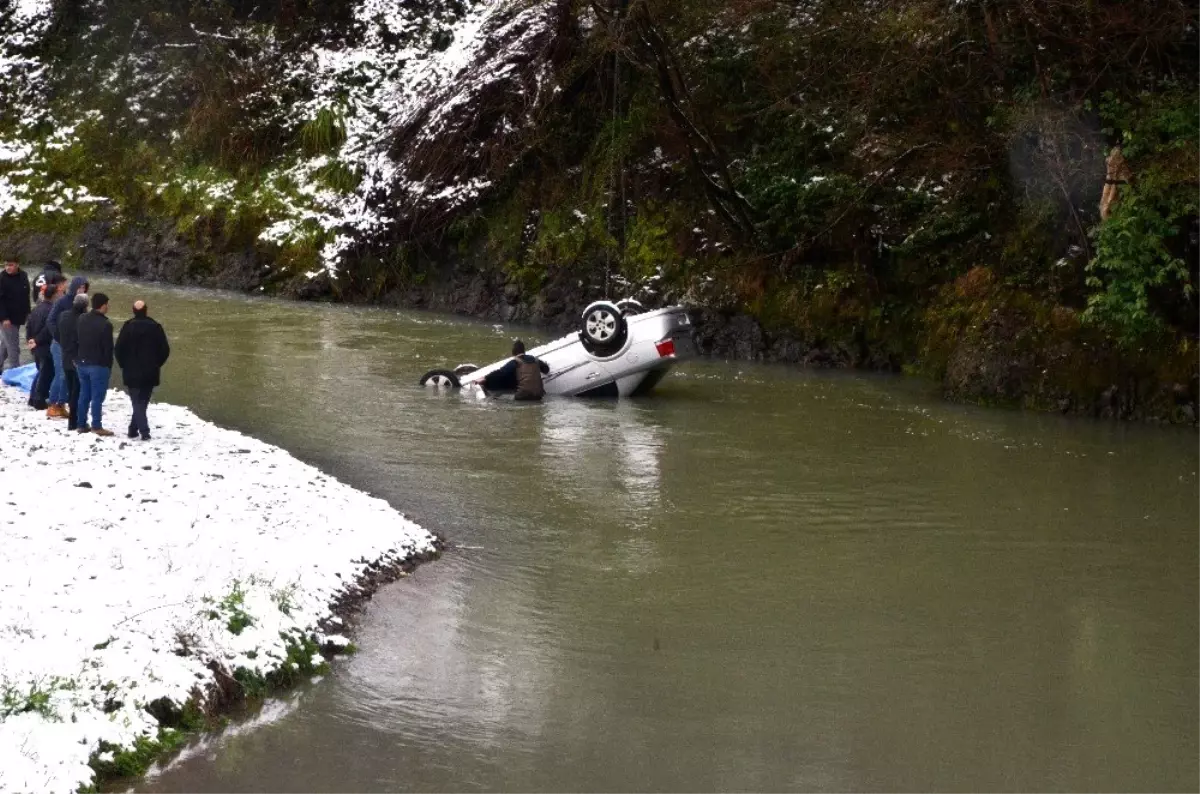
(1138, 270)
(1134, 257)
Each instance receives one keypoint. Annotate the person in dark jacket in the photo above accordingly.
(93, 362)
(141, 350)
(58, 387)
(51, 268)
(68, 337)
(37, 337)
(522, 374)
(14, 311)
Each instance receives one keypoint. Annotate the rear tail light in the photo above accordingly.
(665, 348)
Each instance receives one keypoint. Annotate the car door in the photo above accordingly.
(574, 371)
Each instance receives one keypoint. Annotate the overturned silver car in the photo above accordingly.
(620, 350)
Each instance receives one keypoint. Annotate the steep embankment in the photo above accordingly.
(891, 185)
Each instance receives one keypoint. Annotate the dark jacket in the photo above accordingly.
(505, 378)
(14, 297)
(529, 379)
(47, 271)
(68, 335)
(36, 328)
(95, 341)
(142, 349)
(63, 304)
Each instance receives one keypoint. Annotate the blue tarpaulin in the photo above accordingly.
(21, 377)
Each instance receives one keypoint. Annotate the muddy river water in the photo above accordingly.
(759, 579)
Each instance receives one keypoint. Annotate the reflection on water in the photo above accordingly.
(588, 447)
(462, 654)
(763, 579)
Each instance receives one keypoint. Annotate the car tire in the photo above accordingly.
(630, 307)
(464, 369)
(440, 379)
(603, 328)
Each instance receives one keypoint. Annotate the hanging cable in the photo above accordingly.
(616, 163)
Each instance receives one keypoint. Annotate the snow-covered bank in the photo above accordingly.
(128, 568)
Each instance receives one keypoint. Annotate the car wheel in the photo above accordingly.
(464, 369)
(440, 379)
(630, 307)
(604, 328)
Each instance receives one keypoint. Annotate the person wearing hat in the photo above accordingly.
(37, 337)
(141, 351)
(14, 311)
(93, 362)
(51, 268)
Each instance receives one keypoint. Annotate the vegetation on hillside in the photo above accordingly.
(836, 165)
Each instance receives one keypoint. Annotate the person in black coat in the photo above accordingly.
(37, 336)
(14, 311)
(68, 337)
(93, 362)
(142, 349)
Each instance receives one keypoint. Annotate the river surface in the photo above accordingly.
(762, 578)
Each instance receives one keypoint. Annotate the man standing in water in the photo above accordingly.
(523, 373)
(94, 364)
(14, 311)
(142, 350)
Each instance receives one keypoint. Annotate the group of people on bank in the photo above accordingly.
(70, 337)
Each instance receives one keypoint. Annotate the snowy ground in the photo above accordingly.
(125, 566)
